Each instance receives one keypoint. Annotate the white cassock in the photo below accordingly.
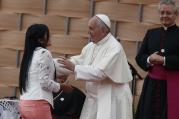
(105, 69)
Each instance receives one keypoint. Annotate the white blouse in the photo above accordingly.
(41, 82)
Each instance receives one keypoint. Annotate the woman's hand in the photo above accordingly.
(62, 79)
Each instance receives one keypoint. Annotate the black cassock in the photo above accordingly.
(153, 99)
(68, 105)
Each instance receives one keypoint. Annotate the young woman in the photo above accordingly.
(36, 82)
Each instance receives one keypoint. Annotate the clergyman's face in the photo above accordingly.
(167, 15)
(95, 31)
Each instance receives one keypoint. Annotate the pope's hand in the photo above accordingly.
(67, 88)
(60, 71)
(66, 64)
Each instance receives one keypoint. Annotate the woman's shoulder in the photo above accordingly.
(42, 52)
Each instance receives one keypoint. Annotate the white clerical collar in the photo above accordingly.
(104, 39)
(166, 28)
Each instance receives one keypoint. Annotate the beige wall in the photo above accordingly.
(67, 20)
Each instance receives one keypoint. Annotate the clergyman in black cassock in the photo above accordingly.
(159, 55)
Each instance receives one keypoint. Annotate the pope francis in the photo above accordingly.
(103, 65)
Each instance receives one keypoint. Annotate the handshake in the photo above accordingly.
(62, 72)
(61, 68)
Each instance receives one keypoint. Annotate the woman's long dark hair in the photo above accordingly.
(35, 36)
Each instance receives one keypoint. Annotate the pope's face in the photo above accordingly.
(167, 15)
(95, 31)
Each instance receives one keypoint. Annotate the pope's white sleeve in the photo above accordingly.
(89, 73)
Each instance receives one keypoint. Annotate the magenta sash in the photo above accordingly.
(158, 72)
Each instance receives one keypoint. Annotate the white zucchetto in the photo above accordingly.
(104, 18)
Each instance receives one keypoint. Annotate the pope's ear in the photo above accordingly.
(105, 30)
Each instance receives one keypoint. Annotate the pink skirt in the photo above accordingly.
(35, 109)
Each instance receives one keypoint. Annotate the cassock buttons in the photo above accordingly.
(62, 99)
(162, 50)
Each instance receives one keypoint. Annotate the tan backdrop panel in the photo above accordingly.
(12, 40)
(55, 23)
(139, 1)
(8, 21)
(132, 31)
(22, 6)
(69, 8)
(67, 44)
(151, 14)
(118, 12)
(9, 76)
(8, 57)
(130, 48)
(5, 91)
(79, 26)
(101, 0)
(125, 13)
